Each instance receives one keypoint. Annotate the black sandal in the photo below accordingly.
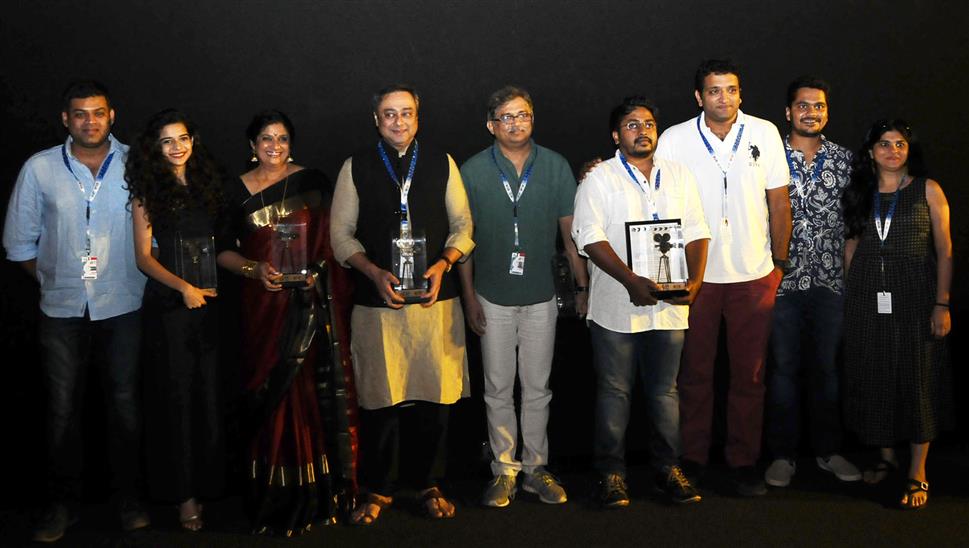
(883, 466)
(368, 518)
(431, 494)
(913, 487)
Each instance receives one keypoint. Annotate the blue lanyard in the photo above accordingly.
(733, 153)
(815, 174)
(404, 188)
(659, 175)
(94, 191)
(877, 211)
(521, 189)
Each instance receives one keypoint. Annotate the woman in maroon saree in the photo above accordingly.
(295, 341)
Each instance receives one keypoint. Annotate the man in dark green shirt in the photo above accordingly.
(521, 194)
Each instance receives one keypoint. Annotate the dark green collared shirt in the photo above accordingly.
(549, 196)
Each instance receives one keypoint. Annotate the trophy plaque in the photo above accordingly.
(409, 256)
(564, 286)
(655, 250)
(289, 253)
(195, 261)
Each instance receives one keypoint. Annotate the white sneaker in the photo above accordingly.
(840, 467)
(500, 492)
(780, 472)
(546, 486)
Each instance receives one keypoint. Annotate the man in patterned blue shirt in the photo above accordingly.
(69, 227)
(810, 297)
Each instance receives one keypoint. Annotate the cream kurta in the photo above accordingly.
(413, 353)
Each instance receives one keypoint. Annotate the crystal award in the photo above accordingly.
(409, 255)
(195, 261)
(289, 253)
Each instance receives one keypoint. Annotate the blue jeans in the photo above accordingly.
(617, 358)
(818, 313)
(67, 345)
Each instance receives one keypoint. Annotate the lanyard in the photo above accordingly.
(815, 174)
(405, 188)
(94, 192)
(651, 198)
(733, 153)
(521, 190)
(877, 210)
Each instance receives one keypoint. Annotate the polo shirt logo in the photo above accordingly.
(754, 152)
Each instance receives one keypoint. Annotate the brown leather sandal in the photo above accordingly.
(368, 517)
(435, 494)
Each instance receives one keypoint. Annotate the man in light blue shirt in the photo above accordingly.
(69, 226)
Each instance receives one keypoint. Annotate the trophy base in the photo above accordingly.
(292, 280)
(413, 296)
(671, 290)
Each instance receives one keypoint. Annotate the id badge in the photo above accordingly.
(517, 267)
(89, 271)
(726, 235)
(884, 302)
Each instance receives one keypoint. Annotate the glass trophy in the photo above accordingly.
(655, 250)
(195, 261)
(409, 256)
(289, 253)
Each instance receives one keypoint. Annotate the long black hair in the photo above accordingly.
(151, 179)
(857, 198)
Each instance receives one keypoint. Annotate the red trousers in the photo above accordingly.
(747, 308)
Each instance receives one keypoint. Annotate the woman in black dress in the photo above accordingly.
(898, 263)
(176, 201)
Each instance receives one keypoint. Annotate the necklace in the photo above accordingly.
(274, 212)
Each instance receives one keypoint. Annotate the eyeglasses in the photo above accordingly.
(637, 125)
(509, 118)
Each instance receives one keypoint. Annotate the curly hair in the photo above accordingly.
(152, 181)
(859, 195)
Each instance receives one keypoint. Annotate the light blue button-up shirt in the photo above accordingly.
(46, 221)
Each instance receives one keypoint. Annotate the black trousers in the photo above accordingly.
(405, 443)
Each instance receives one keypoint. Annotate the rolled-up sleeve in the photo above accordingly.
(460, 226)
(22, 226)
(694, 221)
(589, 219)
(343, 216)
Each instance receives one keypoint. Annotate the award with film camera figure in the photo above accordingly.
(289, 252)
(409, 254)
(195, 260)
(655, 250)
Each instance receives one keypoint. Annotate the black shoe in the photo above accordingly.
(51, 526)
(133, 515)
(693, 471)
(612, 491)
(673, 482)
(748, 481)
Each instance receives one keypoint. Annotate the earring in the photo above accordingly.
(253, 159)
(290, 159)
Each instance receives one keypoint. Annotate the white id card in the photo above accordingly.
(884, 302)
(726, 235)
(517, 267)
(89, 271)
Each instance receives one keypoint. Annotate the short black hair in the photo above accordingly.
(82, 89)
(806, 81)
(393, 88)
(504, 95)
(267, 117)
(628, 105)
(714, 66)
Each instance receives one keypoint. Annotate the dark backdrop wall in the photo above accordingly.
(221, 61)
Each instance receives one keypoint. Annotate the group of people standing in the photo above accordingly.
(362, 345)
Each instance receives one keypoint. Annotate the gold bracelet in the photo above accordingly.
(248, 269)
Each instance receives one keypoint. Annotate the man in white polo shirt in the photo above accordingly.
(633, 332)
(741, 172)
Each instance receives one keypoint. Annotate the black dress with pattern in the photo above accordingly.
(897, 375)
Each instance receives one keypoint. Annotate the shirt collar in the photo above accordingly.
(731, 135)
(113, 145)
(502, 158)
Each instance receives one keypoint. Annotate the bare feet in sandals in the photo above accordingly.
(190, 515)
(369, 509)
(916, 494)
(436, 506)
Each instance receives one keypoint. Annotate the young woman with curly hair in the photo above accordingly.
(176, 203)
